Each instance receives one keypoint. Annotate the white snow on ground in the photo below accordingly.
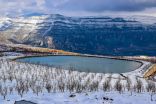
(99, 97)
(46, 85)
(140, 71)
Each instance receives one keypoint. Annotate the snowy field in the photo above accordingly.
(99, 97)
(47, 85)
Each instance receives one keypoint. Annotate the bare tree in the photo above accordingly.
(118, 85)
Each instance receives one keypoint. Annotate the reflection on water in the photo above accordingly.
(85, 64)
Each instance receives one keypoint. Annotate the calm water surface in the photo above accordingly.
(85, 64)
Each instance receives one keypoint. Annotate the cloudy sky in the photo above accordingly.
(78, 7)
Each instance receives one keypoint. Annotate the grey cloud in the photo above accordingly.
(65, 6)
(108, 5)
(15, 7)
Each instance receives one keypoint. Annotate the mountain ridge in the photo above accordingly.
(94, 35)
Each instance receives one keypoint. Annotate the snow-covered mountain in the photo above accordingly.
(95, 35)
(5, 23)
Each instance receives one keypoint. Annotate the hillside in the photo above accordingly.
(93, 35)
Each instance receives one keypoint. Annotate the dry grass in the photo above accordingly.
(150, 72)
(27, 48)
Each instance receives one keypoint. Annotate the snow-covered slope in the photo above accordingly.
(68, 33)
(143, 19)
(5, 23)
(22, 27)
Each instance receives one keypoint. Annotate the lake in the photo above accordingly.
(85, 64)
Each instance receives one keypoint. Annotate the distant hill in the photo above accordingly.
(106, 35)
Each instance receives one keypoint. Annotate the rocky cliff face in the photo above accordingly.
(93, 35)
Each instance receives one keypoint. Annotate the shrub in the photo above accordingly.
(94, 86)
(151, 86)
(139, 86)
(106, 85)
(118, 86)
(4, 92)
(129, 83)
(48, 87)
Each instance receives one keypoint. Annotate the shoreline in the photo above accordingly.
(141, 67)
(82, 55)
